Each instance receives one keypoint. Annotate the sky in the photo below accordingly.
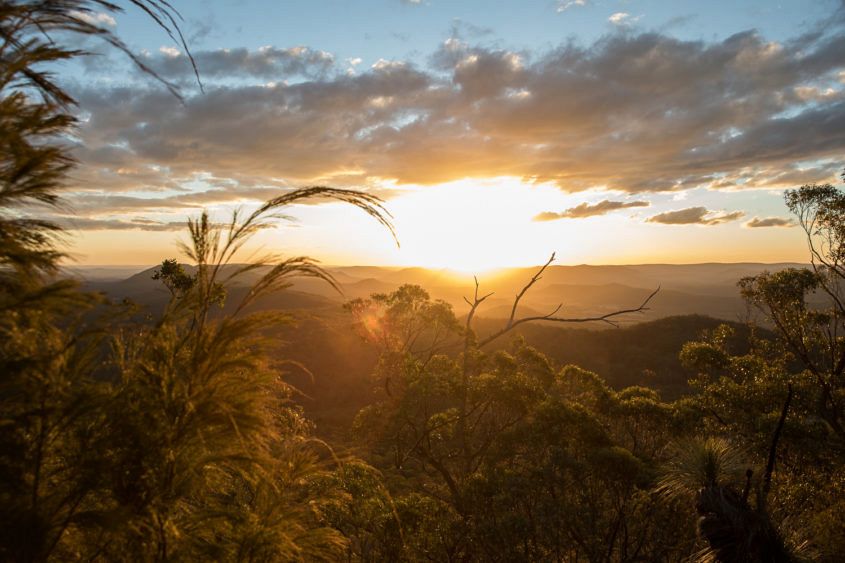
(609, 132)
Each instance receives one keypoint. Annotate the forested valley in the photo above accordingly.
(215, 427)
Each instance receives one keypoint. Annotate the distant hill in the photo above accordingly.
(581, 290)
(598, 299)
(152, 295)
(100, 273)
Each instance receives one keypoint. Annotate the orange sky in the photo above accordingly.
(474, 226)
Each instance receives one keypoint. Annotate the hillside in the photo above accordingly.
(340, 362)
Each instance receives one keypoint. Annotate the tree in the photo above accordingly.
(483, 436)
(404, 324)
(173, 276)
(781, 402)
(807, 307)
(406, 316)
(715, 475)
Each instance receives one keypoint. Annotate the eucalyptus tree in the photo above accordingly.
(783, 402)
(523, 461)
(807, 306)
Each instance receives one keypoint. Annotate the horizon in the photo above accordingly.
(400, 267)
(118, 273)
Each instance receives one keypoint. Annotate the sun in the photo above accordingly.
(473, 226)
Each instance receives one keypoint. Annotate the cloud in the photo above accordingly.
(677, 22)
(623, 19)
(137, 224)
(770, 222)
(694, 216)
(170, 52)
(634, 113)
(564, 5)
(789, 175)
(265, 63)
(586, 210)
(306, 131)
(99, 19)
(670, 114)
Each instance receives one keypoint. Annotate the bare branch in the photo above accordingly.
(537, 277)
(513, 322)
(474, 304)
(608, 318)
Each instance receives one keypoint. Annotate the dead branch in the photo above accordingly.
(475, 303)
(513, 322)
(537, 277)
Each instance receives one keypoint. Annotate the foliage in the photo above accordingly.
(173, 276)
(199, 452)
(524, 462)
(807, 307)
(122, 440)
(781, 402)
(52, 401)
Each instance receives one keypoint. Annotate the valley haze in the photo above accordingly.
(706, 289)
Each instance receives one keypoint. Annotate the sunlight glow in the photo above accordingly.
(474, 226)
